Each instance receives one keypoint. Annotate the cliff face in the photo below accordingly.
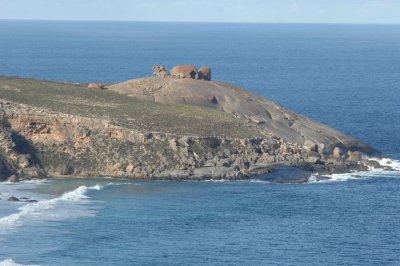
(62, 144)
(57, 129)
(269, 118)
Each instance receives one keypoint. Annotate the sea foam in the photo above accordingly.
(11, 262)
(41, 209)
(395, 164)
(370, 173)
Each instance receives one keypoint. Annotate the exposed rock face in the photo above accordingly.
(204, 73)
(96, 86)
(72, 145)
(269, 117)
(13, 179)
(36, 141)
(181, 72)
(15, 157)
(160, 71)
(337, 153)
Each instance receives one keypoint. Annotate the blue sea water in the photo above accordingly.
(347, 76)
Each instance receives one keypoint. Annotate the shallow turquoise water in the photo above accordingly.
(347, 76)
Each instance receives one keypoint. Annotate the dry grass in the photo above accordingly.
(77, 99)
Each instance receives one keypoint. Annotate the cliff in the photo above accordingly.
(160, 128)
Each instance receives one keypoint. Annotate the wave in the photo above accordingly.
(394, 164)
(38, 209)
(259, 181)
(22, 189)
(32, 181)
(372, 172)
(216, 180)
(78, 194)
(11, 262)
(338, 177)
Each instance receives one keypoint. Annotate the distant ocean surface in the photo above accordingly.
(346, 76)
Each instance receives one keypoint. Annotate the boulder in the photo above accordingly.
(13, 199)
(321, 147)
(31, 201)
(97, 86)
(354, 156)
(160, 71)
(373, 164)
(313, 160)
(185, 71)
(23, 161)
(13, 179)
(310, 146)
(337, 153)
(204, 73)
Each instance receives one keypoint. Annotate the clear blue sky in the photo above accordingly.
(275, 11)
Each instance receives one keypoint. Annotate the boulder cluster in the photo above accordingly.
(182, 72)
(96, 86)
(63, 145)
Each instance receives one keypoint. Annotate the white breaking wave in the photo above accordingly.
(395, 164)
(259, 181)
(216, 180)
(77, 194)
(21, 189)
(371, 173)
(32, 181)
(11, 262)
(339, 177)
(39, 209)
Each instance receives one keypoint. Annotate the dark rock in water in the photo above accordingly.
(372, 163)
(23, 198)
(13, 199)
(286, 175)
(31, 201)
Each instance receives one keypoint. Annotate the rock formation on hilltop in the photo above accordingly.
(176, 124)
(183, 72)
(269, 117)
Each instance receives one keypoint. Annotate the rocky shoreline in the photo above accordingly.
(37, 141)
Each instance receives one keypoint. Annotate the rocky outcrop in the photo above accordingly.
(160, 71)
(269, 117)
(97, 86)
(204, 73)
(16, 157)
(37, 141)
(78, 146)
(183, 72)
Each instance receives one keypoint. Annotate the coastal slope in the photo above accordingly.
(160, 128)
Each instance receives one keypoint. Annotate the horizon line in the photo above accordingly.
(198, 22)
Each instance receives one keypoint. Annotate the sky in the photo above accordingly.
(249, 11)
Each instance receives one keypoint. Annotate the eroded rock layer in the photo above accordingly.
(73, 130)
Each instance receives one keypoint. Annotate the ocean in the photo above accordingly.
(346, 76)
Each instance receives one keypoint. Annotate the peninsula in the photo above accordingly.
(173, 125)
